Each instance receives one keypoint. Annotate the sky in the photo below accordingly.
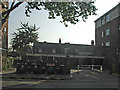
(52, 30)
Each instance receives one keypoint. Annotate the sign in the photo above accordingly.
(51, 64)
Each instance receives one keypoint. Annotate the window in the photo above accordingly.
(119, 27)
(39, 50)
(107, 44)
(76, 50)
(119, 57)
(102, 44)
(66, 50)
(108, 18)
(53, 51)
(102, 34)
(107, 32)
(103, 21)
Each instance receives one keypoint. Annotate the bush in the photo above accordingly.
(7, 63)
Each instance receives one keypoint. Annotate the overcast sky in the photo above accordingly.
(52, 30)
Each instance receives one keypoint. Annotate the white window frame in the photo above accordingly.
(102, 34)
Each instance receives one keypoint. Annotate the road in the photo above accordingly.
(85, 79)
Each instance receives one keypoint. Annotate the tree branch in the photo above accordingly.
(5, 12)
(9, 11)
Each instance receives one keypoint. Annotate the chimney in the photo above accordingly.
(59, 40)
(92, 42)
(45, 42)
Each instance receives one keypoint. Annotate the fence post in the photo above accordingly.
(78, 69)
(92, 67)
(101, 68)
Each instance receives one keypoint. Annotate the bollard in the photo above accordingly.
(78, 69)
(92, 67)
(101, 68)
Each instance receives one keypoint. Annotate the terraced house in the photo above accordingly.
(79, 54)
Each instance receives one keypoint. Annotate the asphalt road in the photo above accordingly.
(85, 79)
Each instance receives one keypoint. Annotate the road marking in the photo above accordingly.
(49, 76)
(32, 82)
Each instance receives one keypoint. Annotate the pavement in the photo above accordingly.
(36, 76)
(83, 79)
(13, 75)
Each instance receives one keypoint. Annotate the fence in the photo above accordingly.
(98, 68)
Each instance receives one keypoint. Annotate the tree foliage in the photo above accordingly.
(7, 63)
(24, 36)
(69, 11)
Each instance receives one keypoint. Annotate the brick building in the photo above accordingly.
(107, 38)
(80, 54)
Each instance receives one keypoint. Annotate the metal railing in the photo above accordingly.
(98, 68)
